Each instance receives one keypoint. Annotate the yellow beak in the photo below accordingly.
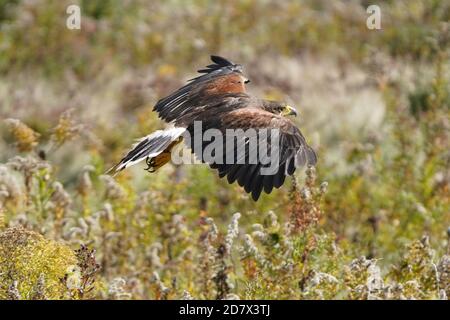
(290, 111)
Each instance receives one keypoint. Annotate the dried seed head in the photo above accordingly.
(273, 220)
(60, 197)
(323, 187)
(13, 291)
(117, 289)
(10, 189)
(113, 189)
(310, 176)
(213, 231)
(26, 138)
(232, 233)
(249, 249)
(305, 193)
(186, 296)
(66, 129)
(84, 181)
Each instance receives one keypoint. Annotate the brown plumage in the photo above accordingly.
(218, 99)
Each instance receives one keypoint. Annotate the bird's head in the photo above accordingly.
(280, 108)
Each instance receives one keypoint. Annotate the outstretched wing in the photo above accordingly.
(290, 149)
(221, 77)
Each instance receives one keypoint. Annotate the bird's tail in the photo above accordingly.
(155, 148)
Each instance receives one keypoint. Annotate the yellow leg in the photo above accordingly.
(157, 162)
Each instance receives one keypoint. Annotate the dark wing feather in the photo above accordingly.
(293, 151)
(219, 63)
(221, 77)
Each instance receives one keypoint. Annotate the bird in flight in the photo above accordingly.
(218, 99)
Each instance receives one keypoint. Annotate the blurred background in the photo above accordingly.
(370, 221)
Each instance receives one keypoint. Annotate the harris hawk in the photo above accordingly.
(218, 99)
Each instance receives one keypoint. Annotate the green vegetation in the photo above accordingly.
(32, 267)
(371, 221)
